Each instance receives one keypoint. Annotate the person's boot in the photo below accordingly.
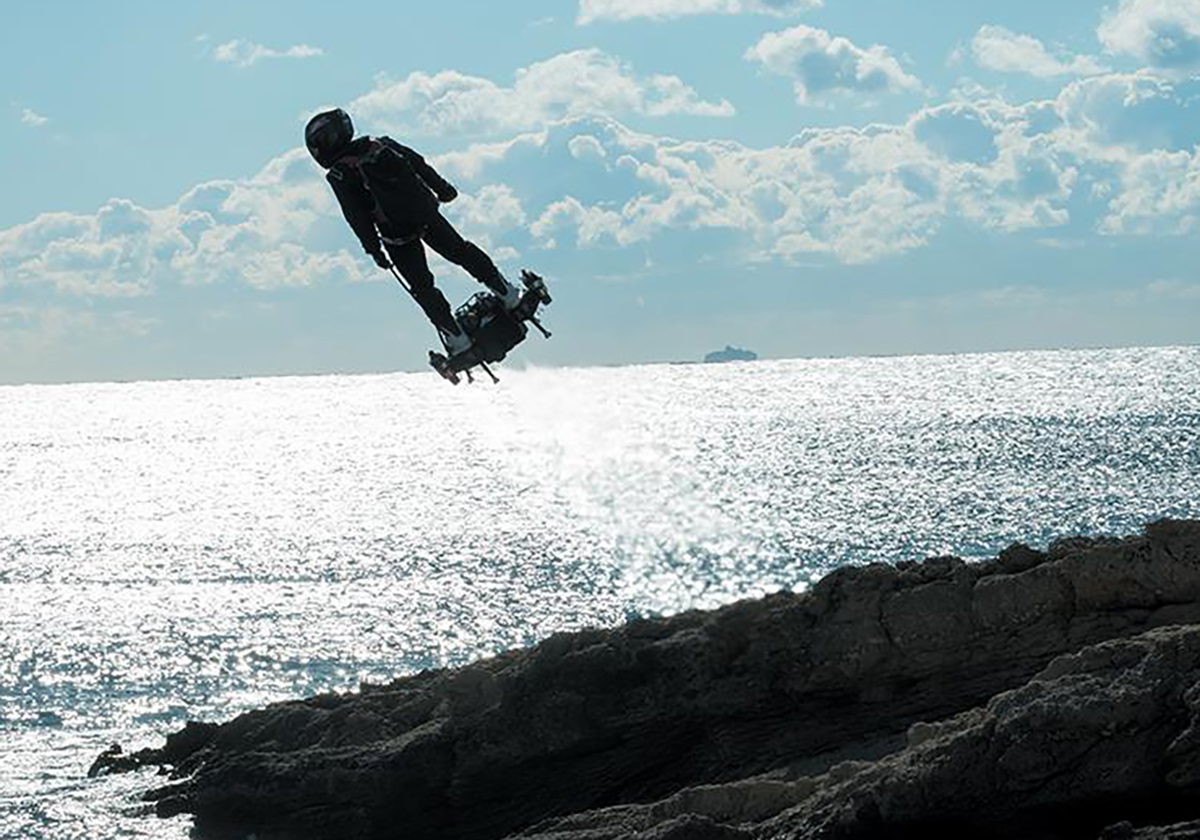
(456, 342)
(509, 294)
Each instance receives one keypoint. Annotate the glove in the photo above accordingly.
(381, 260)
(448, 195)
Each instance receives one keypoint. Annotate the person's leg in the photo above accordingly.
(409, 259)
(443, 238)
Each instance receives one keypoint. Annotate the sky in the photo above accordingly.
(800, 177)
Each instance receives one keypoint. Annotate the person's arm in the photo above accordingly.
(359, 210)
(442, 188)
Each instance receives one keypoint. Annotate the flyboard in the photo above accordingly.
(493, 330)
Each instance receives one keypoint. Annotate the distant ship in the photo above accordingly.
(731, 354)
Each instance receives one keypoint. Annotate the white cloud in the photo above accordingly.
(567, 85)
(291, 264)
(959, 131)
(1120, 115)
(1116, 153)
(1165, 34)
(591, 224)
(29, 333)
(493, 207)
(999, 49)
(820, 64)
(586, 146)
(594, 10)
(1175, 290)
(33, 119)
(782, 202)
(1136, 137)
(1159, 194)
(855, 195)
(258, 231)
(242, 53)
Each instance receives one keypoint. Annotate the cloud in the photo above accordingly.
(1121, 114)
(1174, 290)
(1137, 136)
(999, 49)
(1159, 193)
(958, 132)
(567, 85)
(820, 64)
(1165, 34)
(33, 119)
(30, 334)
(242, 53)
(1111, 155)
(262, 231)
(855, 195)
(849, 195)
(493, 207)
(621, 10)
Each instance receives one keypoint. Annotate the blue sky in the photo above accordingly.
(797, 176)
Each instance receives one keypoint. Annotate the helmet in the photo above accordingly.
(327, 134)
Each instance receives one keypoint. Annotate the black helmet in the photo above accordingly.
(327, 134)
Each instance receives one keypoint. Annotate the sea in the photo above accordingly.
(189, 550)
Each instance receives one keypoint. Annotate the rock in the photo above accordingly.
(1126, 831)
(180, 746)
(1097, 734)
(1018, 558)
(862, 705)
(114, 760)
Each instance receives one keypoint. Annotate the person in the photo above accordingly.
(391, 197)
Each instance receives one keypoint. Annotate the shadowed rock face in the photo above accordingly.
(1055, 692)
(1126, 831)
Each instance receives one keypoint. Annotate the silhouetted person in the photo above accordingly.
(390, 196)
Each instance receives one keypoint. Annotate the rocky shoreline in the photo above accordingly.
(1038, 695)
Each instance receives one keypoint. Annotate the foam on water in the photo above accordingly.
(181, 550)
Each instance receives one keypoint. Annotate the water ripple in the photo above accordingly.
(188, 550)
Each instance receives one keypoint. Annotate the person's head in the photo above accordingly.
(327, 134)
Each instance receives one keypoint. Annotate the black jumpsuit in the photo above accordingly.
(389, 193)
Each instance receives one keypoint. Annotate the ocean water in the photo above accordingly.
(190, 550)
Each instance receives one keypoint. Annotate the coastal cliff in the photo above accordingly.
(1041, 694)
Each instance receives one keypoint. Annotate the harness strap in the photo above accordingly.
(356, 162)
(406, 238)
